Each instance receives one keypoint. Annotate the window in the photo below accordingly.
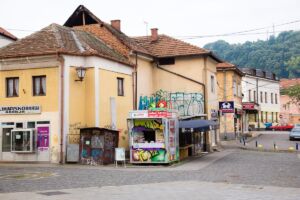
(249, 95)
(39, 85)
(22, 140)
(267, 117)
(262, 116)
(271, 98)
(261, 97)
(12, 87)
(276, 115)
(272, 117)
(166, 61)
(254, 96)
(120, 86)
(212, 84)
(234, 88)
(6, 139)
(276, 99)
(266, 97)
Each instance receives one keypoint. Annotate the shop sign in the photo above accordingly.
(226, 106)
(119, 154)
(30, 109)
(159, 114)
(138, 114)
(248, 106)
(149, 155)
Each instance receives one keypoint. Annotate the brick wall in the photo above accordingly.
(104, 34)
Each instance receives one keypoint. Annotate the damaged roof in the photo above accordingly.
(59, 39)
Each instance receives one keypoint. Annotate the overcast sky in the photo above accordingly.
(178, 18)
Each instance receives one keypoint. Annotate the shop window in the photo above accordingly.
(6, 139)
(22, 141)
(30, 124)
(120, 86)
(39, 85)
(12, 87)
(19, 125)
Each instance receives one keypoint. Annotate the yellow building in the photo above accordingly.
(229, 79)
(55, 82)
(161, 63)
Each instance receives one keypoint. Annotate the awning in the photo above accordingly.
(198, 124)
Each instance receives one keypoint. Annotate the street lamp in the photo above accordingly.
(80, 73)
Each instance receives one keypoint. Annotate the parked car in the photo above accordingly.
(282, 127)
(297, 126)
(295, 133)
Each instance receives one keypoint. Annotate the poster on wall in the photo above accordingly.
(43, 138)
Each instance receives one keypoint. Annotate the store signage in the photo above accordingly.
(248, 106)
(150, 114)
(138, 114)
(43, 138)
(119, 154)
(159, 114)
(30, 109)
(226, 106)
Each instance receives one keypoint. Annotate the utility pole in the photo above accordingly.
(258, 122)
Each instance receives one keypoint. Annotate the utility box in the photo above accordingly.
(97, 145)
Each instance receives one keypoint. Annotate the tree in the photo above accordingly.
(293, 67)
(294, 93)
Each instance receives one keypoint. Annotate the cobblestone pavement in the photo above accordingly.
(268, 139)
(229, 167)
(179, 190)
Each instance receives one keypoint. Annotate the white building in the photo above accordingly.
(6, 37)
(261, 100)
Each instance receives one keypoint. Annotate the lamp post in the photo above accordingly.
(80, 73)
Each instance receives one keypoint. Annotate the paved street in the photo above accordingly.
(230, 174)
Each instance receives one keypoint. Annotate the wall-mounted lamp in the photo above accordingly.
(80, 73)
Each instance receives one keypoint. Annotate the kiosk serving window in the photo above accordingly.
(22, 141)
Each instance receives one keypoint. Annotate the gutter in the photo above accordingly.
(187, 78)
(62, 65)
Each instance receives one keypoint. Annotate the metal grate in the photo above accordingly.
(52, 193)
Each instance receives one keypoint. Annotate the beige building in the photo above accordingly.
(161, 63)
(229, 79)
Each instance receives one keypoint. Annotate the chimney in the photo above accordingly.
(154, 34)
(116, 24)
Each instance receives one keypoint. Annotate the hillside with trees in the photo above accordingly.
(280, 54)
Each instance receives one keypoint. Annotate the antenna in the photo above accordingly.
(146, 24)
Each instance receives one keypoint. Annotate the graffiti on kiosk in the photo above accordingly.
(187, 104)
(151, 155)
(152, 124)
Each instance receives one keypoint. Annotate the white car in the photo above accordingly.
(297, 126)
(295, 133)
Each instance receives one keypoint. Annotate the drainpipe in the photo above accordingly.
(62, 65)
(187, 78)
(135, 77)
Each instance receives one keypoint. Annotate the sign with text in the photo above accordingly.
(226, 106)
(248, 106)
(11, 110)
(43, 138)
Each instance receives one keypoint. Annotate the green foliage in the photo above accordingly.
(294, 93)
(280, 54)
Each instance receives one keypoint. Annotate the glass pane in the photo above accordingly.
(6, 139)
(21, 141)
(30, 124)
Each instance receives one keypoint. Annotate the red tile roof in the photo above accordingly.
(229, 66)
(7, 34)
(59, 39)
(225, 65)
(286, 83)
(166, 46)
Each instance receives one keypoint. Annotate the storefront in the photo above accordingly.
(25, 134)
(194, 136)
(153, 136)
(251, 117)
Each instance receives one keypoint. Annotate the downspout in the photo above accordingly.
(187, 78)
(135, 77)
(62, 65)
(205, 81)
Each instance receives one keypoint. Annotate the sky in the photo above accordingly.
(195, 21)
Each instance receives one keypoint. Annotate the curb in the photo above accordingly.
(269, 150)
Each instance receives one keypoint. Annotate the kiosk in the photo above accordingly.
(153, 136)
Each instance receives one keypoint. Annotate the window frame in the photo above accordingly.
(120, 86)
(15, 90)
(42, 91)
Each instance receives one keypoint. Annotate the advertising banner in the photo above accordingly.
(226, 106)
(43, 138)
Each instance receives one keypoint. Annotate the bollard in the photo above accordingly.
(240, 140)
(297, 147)
(244, 141)
(275, 146)
(256, 143)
